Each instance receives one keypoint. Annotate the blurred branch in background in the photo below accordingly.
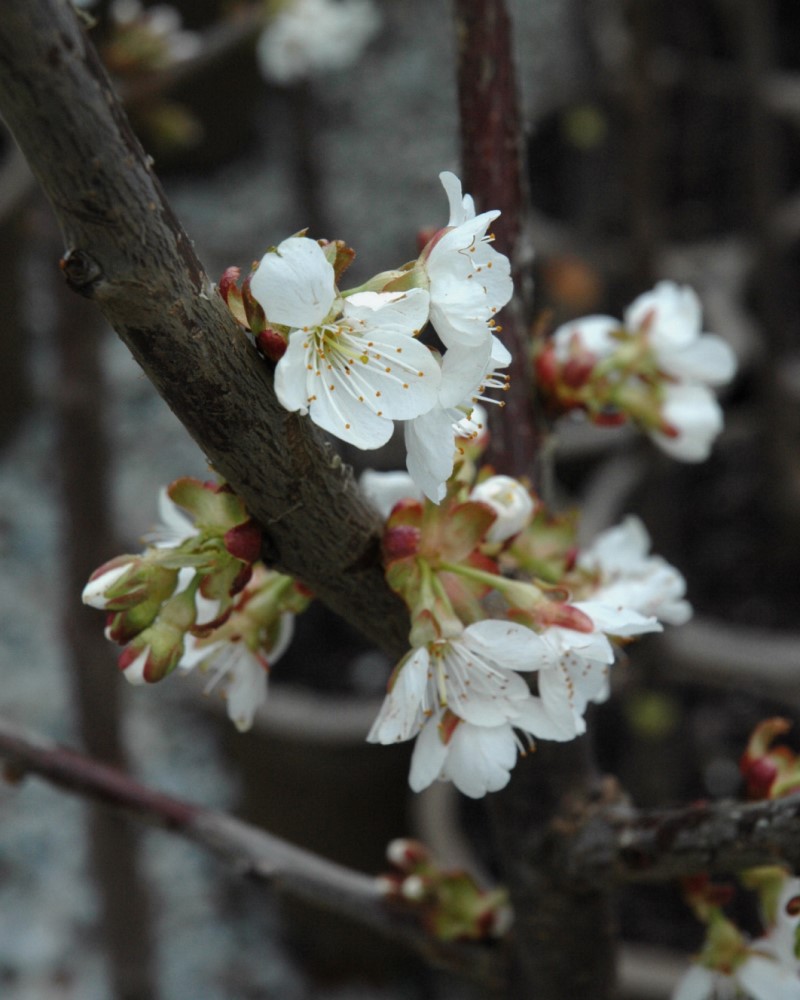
(290, 870)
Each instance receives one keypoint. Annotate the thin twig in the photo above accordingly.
(289, 870)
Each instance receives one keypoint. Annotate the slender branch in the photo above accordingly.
(492, 162)
(129, 254)
(289, 870)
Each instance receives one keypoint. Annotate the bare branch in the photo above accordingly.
(128, 253)
(620, 845)
(289, 870)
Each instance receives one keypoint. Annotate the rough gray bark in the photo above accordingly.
(128, 253)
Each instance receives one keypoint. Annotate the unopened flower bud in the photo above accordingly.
(510, 501)
(108, 580)
(244, 541)
(407, 854)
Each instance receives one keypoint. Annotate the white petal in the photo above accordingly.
(694, 412)
(593, 333)
(295, 283)
(400, 716)
(619, 621)
(134, 672)
(533, 718)
(463, 370)
(430, 447)
(511, 502)
(512, 646)
(94, 593)
(283, 639)
(673, 313)
(480, 759)
(428, 757)
(697, 984)
(385, 489)
(175, 525)
(461, 206)
(709, 359)
(767, 979)
(247, 687)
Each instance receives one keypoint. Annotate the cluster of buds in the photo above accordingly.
(500, 596)
(450, 904)
(731, 963)
(655, 368)
(198, 594)
(769, 771)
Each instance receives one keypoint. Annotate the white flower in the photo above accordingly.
(511, 502)
(672, 316)
(630, 577)
(354, 366)
(474, 675)
(243, 671)
(477, 759)
(579, 664)
(385, 489)
(309, 37)
(469, 281)
(466, 374)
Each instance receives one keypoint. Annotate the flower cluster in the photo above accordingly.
(306, 38)
(353, 361)
(731, 964)
(656, 368)
(500, 596)
(198, 596)
(450, 904)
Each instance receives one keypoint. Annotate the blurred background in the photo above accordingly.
(663, 142)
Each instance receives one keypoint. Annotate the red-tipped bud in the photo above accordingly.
(232, 295)
(407, 854)
(565, 615)
(759, 776)
(400, 542)
(272, 344)
(256, 319)
(244, 541)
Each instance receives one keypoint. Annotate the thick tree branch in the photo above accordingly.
(128, 253)
(289, 870)
(621, 845)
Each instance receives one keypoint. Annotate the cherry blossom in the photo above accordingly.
(628, 576)
(474, 674)
(577, 671)
(353, 365)
(469, 281)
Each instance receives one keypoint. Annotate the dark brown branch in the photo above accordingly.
(127, 252)
(717, 837)
(492, 163)
(290, 870)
